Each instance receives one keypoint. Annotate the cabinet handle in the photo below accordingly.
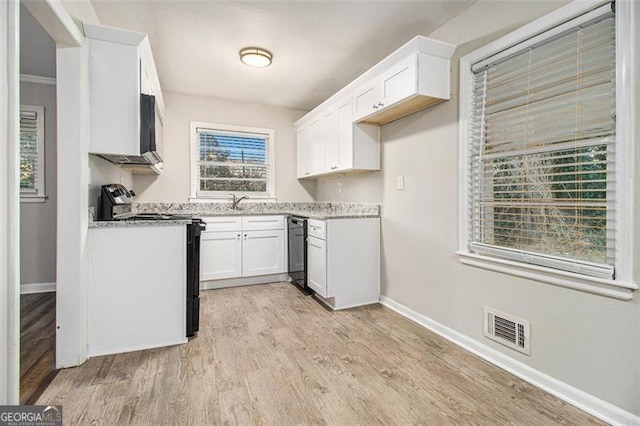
(245, 237)
(307, 173)
(238, 236)
(334, 167)
(380, 104)
(375, 106)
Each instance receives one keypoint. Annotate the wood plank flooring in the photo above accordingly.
(268, 354)
(37, 342)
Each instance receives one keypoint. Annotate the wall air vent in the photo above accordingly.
(508, 330)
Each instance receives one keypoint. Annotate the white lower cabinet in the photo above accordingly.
(343, 261)
(221, 255)
(235, 247)
(317, 265)
(262, 253)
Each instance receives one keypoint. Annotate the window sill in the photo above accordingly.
(33, 198)
(602, 287)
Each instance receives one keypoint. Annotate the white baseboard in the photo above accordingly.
(37, 288)
(584, 401)
(238, 282)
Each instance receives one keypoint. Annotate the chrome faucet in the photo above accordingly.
(236, 200)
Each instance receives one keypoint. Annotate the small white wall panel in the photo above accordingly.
(433, 76)
(137, 288)
(353, 261)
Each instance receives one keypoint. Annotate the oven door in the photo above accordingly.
(297, 240)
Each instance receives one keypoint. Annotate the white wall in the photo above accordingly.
(37, 49)
(588, 341)
(173, 184)
(103, 172)
(38, 220)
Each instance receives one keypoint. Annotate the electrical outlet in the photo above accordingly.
(339, 186)
(400, 184)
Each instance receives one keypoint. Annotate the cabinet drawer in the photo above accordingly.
(261, 223)
(317, 228)
(223, 223)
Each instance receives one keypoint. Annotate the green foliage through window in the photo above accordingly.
(232, 162)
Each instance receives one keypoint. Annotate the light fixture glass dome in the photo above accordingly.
(255, 57)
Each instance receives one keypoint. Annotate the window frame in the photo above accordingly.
(622, 286)
(219, 196)
(39, 195)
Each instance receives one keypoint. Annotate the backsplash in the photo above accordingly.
(303, 209)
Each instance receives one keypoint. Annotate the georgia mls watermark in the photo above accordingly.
(30, 415)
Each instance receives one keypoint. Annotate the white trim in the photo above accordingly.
(9, 203)
(627, 74)
(271, 155)
(242, 281)
(35, 288)
(26, 198)
(626, 23)
(574, 396)
(55, 19)
(603, 287)
(36, 79)
(544, 35)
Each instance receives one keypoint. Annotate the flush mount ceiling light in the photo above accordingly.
(255, 57)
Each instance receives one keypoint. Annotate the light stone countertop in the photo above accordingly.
(136, 223)
(310, 210)
(320, 211)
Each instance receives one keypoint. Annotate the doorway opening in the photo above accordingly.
(38, 207)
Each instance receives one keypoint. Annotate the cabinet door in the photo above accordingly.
(316, 147)
(365, 99)
(220, 255)
(399, 82)
(317, 265)
(262, 253)
(330, 137)
(304, 152)
(114, 84)
(345, 135)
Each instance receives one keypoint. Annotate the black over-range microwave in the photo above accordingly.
(148, 148)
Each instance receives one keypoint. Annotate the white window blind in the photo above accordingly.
(232, 162)
(31, 150)
(542, 151)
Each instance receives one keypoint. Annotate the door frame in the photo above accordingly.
(55, 19)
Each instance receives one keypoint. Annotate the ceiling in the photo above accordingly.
(318, 46)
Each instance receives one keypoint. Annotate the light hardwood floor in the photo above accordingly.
(37, 342)
(269, 354)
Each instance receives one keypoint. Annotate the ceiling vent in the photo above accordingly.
(508, 330)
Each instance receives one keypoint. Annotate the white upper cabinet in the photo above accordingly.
(121, 67)
(366, 98)
(398, 83)
(333, 143)
(303, 151)
(338, 136)
(409, 85)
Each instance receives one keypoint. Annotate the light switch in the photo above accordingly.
(339, 186)
(400, 184)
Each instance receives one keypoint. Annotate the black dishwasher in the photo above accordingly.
(297, 244)
(194, 231)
